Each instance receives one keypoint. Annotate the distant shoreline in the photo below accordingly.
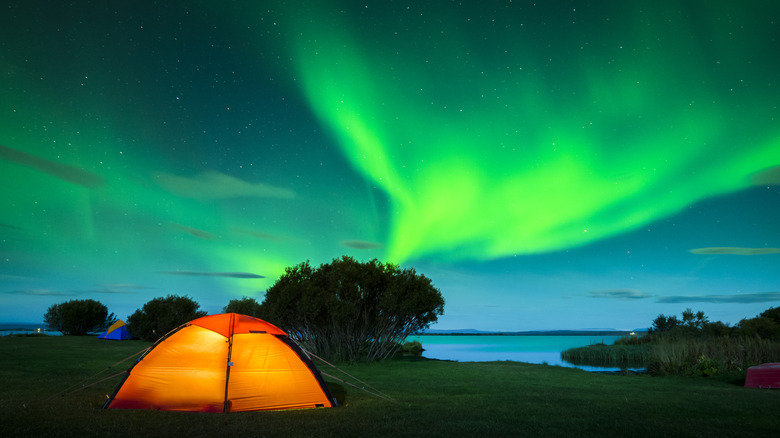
(21, 328)
(535, 333)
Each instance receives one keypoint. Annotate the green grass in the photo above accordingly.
(434, 398)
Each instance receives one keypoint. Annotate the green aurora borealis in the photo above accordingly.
(489, 145)
(528, 158)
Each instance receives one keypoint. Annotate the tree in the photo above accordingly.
(691, 324)
(694, 321)
(663, 324)
(161, 315)
(346, 310)
(245, 306)
(78, 317)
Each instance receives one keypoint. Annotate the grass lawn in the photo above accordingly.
(434, 398)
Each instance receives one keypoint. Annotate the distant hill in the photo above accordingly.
(458, 331)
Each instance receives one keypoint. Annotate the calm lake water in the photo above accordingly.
(530, 349)
(13, 328)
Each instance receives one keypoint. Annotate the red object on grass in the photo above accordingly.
(763, 376)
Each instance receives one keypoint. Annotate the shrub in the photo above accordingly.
(705, 366)
(413, 348)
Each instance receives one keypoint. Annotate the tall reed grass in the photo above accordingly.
(711, 356)
(601, 355)
(694, 356)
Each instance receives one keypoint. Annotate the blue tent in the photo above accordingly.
(117, 331)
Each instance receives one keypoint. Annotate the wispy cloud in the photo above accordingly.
(201, 234)
(41, 292)
(123, 286)
(118, 288)
(735, 250)
(216, 185)
(64, 172)
(361, 244)
(619, 294)
(213, 274)
(100, 289)
(260, 234)
(761, 297)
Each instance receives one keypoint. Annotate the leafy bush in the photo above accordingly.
(413, 348)
(78, 317)
(161, 315)
(705, 366)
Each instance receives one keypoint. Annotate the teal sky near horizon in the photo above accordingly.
(563, 166)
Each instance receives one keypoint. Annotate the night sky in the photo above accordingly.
(560, 165)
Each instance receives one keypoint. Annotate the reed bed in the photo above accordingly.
(701, 356)
(711, 356)
(601, 355)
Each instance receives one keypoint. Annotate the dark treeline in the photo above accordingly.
(765, 326)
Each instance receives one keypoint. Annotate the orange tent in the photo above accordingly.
(223, 363)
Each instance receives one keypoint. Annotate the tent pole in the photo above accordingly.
(226, 406)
